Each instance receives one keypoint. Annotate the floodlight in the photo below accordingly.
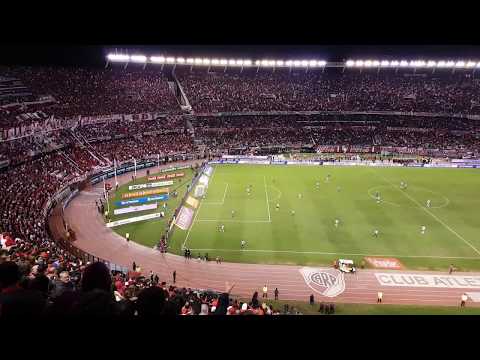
(215, 61)
(180, 60)
(441, 64)
(368, 63)
(240, 62)
(431, 63)
(312, 63)
(257, 62)
(190, 61)
(384, 63)
(280, 62)
(394, 63)
(470, 64)
(321, 63)
(206, 61)
(460, 64)
(289, 63)
(170, 60)
(376, 63)
(304, 63)
(138, 58)
(157, 59)
(359, 63)
(231, 62)
(478, 64)
(297, 63)
(403, 63)
(264, 63)
(350, 63)
(198, 61)
(247, 62)
(117, 57)
(450, 63)
(223, 62)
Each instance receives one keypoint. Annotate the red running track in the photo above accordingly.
(94, 237)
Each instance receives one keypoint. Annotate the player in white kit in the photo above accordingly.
(423, 229)
(337, 222)
(429, 203)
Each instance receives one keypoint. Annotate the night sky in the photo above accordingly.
(94, 55)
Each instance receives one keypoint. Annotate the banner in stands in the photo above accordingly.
(204, 180)
(192, 202)
(150, 185)
(208, 170)
(166, 176)
(134, 219)
(131, 209)
(142, 200)
(199, 191)
(184, 219)
(145, 193)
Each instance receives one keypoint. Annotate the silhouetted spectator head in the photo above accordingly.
(150, 302)
(96, 276)
(95, 303)
(9, 274)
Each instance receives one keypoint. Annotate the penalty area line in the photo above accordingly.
(268, 202)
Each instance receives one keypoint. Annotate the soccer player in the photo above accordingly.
(242, 244)
(293, 212)
(375, 233)
(299, 196)
(338, 188)
(337, 222)
(277, 207)
(233, 213)
(423, 229)
(318, 185)
(222, 228)
(429, 203)
(248, 191)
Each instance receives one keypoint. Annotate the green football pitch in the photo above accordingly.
(301, 230)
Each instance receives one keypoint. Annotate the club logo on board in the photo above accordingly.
(327, 282)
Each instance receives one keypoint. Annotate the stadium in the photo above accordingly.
(162, 184)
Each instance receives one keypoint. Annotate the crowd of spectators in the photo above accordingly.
(368, 134)
(331, 91)
(42, 281)
(89, 92)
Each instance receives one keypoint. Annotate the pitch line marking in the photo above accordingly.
(336, 253)
(432, 215)
(268, 202)
(218, 202)
(193, 223)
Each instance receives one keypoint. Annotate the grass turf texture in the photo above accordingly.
(378, 309)
(309, 237)
(149, 232)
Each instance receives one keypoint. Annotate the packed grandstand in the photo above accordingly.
(59, 125)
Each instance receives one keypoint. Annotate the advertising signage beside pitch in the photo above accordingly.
(142, 200)
(150, 185)
(145, 193)
(166, 176)
(428, 280)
